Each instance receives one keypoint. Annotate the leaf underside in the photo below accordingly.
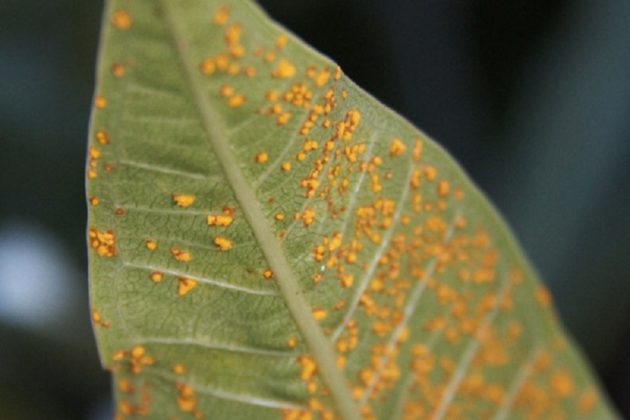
(268, 241)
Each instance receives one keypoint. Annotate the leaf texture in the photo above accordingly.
(268, 241)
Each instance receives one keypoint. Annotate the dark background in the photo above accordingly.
(531, 96)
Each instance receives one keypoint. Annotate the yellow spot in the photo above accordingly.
(397, 147)
(318, 313)
(268, 273)
(587, 401)
(117, 70)
(226, 91)
(284, 69)
(236, 100)
(279, 216)
(281, 41)
(292, 342)
(249, 71)
(96, 316)
(183, 200)
(346, 279)
(94, 201)
(221, 15)
(208, 65)
(100, 102)
(121, 19)
(137, 352)
(180, 254)
(443, 188)
(261, 157)
(125, 386)
(283, 118)
(430, 172)
(337, 73)
(542, 295)
(156, 276)
(417, 150)
(562, 383)
(286, 166)
(222, 243)
(185, 285)
(178, 368)
(150, 244)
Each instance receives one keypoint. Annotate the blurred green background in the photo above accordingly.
(531, 96)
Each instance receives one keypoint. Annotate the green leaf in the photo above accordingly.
(268, 241)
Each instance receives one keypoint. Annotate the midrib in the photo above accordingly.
(319, 346)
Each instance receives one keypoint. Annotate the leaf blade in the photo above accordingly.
(170, 162)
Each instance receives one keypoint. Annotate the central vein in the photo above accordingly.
(316, 341)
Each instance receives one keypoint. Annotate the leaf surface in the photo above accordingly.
(267, 240)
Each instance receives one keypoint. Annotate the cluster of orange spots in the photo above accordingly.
(121, 19)
(156, 276)
(98, 319)
(349, 340)
(397, 147)
(539, 397)
(222, 243)
(284, 69)
(225, 219)
(314, 112)
(102, 137)
(221, 15)
(117, 70)
(319, 78)
(315, 409)
(261, 157)
(227, 61)
(185, 285)
(93, 156)
(232, 99)
(308, 217)
(344, 129)
(103, 241)
(137, 358)
(126, 408)
(187, 400)
(150, 244)
(180, 254)
(298, 94)
(267, 273)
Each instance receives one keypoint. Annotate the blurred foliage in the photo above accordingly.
(532, 97)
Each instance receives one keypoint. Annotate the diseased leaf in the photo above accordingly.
(268, 241)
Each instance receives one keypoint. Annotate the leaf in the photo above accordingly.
(268, 241)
